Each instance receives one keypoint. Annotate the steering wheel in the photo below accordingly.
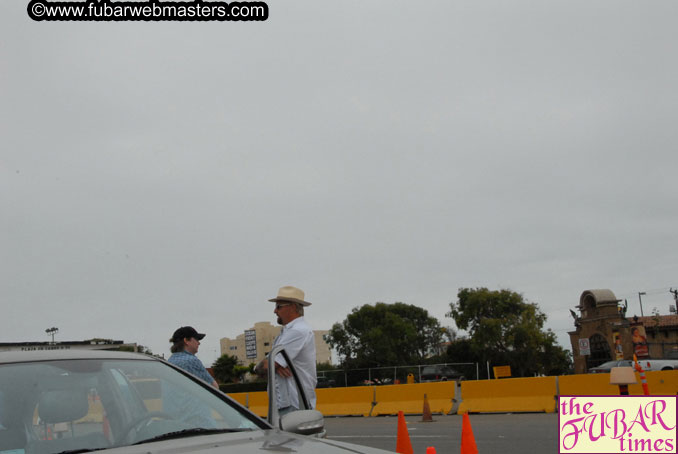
(143, 419)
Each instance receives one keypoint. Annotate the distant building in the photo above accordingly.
(255, 343)
(602, 324)
(92, 344)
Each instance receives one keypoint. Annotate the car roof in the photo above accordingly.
(607, 363)
(612, 363)
(9, 357)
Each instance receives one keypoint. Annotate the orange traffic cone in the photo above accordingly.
(403, 444)
(643, 380)
(426, 414)
(468, 441)
(430, 450)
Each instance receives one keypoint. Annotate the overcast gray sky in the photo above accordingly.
(154, 175)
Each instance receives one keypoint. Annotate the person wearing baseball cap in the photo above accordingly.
(299, 341)
(185, 344)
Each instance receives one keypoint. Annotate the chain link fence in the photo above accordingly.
(397, 374)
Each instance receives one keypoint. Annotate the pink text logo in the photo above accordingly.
(617, 424)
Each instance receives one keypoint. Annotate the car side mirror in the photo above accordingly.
(305, 422)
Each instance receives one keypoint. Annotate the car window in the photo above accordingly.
(55, 406)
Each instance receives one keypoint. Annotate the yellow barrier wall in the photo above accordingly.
(241, 398)
(95, 414)
(355, 400)
(662, 382)
(659, 382)
(153, 404)
(481, 396)
(509, 395)
(259, 403)
(410, 398)
(591, 385)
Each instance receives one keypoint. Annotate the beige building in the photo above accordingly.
(255, 343)
(602, 324)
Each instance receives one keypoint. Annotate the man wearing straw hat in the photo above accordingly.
(299, 342)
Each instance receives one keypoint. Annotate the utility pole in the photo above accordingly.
(52, 331)
(640, 294)
(675, 294)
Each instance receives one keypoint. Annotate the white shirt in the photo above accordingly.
(299, 342)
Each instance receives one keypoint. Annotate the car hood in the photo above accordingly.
(259, 441)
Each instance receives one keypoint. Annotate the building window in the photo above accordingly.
(600, 351)
(266, 344)
(233, 347)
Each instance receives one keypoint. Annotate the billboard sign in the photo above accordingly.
(251, 343)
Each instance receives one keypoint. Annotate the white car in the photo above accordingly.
(74, 401)
(606, 367)
(658, 364)
(646, 364)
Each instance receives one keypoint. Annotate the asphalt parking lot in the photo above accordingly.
(510, 433)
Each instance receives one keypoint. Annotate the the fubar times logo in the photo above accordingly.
(617, 424)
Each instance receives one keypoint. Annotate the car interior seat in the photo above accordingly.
(12, 437)
(65, 406)
(12, 431)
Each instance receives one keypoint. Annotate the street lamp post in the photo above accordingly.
(52, 331)
(640, 294)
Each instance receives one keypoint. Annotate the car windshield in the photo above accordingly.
(52, 407)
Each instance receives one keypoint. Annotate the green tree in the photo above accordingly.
(385, 335)
(224, 368)
(460, 351)
(504, 329)
(240, 371)
(326, 367)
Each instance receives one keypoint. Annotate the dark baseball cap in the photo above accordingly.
(186, 332)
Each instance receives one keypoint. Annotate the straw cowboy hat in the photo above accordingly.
(290, 294)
